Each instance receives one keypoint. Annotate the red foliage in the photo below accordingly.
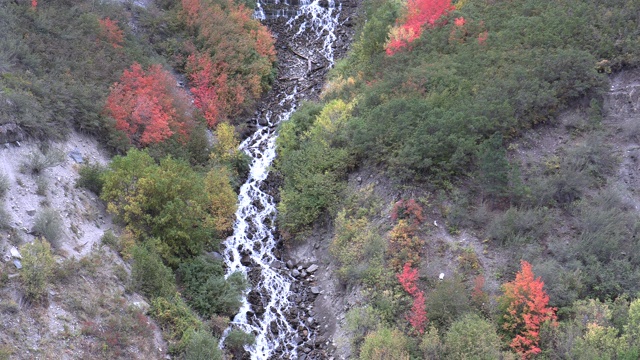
(34, 4)
(526, 309)
(148, 106)
(418, 315)
(407, 209)
(459, 22)
(111, 33)
(233, 57)
(419, 13)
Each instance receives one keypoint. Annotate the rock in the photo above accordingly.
(295, 273)
(311, 269)
(76, 156)
(17, 264)
(15, 253)
(31, 212)
(315, 290)
(311, 321)
(276, 264)
(290, 264)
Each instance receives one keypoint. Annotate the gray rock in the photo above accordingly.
(295, 273)
(315, 290)
(17, 263)
(15, 253)
(312, 268)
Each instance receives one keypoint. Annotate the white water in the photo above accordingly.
(255, 218)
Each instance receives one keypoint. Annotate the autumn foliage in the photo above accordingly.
(419, 14)
(418, 315)
(526, 309)
(231, 58)
(148, 106)
(111, 32)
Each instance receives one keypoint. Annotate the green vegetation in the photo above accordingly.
(37, 269)
(455, 116)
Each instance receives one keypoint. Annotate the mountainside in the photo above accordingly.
(463, 186)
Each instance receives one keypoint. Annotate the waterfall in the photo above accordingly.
(305, 34)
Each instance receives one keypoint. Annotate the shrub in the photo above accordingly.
(447, 301)
(176, 320)
(236, 340)
(36, 162)
(207, 290)
(5, 184)
(5, 218)
(472, 337)
(48, 223)
(149, 275)
(384, 343)
(37, 269)
(517, 226)
(41, 185)
(358, 249)
(91, 177)
(201, 346)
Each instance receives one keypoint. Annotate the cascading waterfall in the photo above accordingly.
(267, 311)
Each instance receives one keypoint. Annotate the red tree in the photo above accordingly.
(148, 106)
(419, 13)
(418, 315)
(526, 308)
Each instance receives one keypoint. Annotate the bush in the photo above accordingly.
(202, 346)
(91, 177)
(176, 320)
(5, 184)
(383, 344)
(150, 276)
(472, 337)
(236, 341)
(207, 290)
(36, 162)
(5, 218)
(37, 269)
(448, 301)
(48, 223)
(358, 249)
(517, 226)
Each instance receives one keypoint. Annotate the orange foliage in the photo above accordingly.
(111, 33)
(404, 245)
(526, 309)
(407, 209)
(233, 56)
(419, 13)
(148, 106)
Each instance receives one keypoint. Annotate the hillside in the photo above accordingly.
(466, 181)
(463, 186)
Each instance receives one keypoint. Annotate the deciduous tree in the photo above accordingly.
(525, 305)
(148, 106)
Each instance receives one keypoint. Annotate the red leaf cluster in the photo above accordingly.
(407, 209)
(111, 32)
(419, 13)
(418, 315)
(233, 56)
(148, 106)
(527, 308)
